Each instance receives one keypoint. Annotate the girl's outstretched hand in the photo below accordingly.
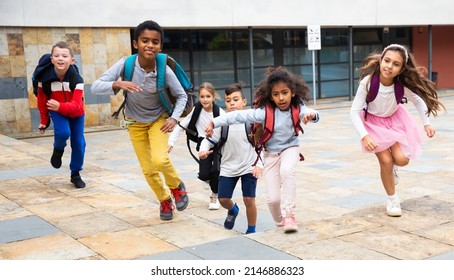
(308, 117)
(369, 143)
(209, 129)
(430, 131)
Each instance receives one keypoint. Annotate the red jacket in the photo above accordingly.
(71, 103)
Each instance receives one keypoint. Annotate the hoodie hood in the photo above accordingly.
(45, 72)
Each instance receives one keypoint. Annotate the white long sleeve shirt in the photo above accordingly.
(203, 119)
(384, 104)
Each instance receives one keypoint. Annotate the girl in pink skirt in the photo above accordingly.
(386, 128)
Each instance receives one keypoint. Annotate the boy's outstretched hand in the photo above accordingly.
(168, 125)
(209, 129)
(204, 154)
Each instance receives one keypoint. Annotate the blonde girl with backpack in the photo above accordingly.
(386, 128)
(194, 123)
(281, 90)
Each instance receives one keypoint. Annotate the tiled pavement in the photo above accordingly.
(339, 197)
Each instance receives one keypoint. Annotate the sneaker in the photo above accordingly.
(55, 160)
(280, 224)
(166, 210)
(290, 224)
(230, 220)
(214, 203)
(77, 180)
(393, 208)
(181, 197)
(396, 176)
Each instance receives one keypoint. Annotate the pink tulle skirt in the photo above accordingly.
(398, 128)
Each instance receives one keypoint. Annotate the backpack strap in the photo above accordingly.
(399, 92)
(268, 125)
(295, 112)
(126, 75)
(161, 86)
(191, 131)
(223, 138)
(373, 92)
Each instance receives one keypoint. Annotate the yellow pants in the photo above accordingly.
(150, 146)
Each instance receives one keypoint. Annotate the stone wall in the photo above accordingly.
(95, 49)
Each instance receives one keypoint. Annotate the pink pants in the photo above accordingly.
(279, 174)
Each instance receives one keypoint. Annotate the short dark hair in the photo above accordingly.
(148, 25)
(234, 88)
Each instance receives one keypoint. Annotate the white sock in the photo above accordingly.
(392, 197)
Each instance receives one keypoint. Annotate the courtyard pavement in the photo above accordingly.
(340, 202)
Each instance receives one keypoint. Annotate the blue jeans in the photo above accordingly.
(70, 128)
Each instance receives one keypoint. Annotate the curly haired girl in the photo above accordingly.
(283, 91)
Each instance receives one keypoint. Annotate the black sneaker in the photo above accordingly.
(166, 210)
(77, 180)
(55, 160)
(230, 220)
(181, 197)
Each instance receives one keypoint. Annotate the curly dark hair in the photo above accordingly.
(410, 77)
(277, 75)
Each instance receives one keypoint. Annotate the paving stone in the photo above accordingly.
(126, 245)
(24, 228)
(397, 244)
(50, 247)
(237, 248)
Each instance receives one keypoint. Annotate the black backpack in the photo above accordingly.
(191, 130)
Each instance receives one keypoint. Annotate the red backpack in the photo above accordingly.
(260, 133)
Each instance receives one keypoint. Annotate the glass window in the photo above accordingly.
(334, 89)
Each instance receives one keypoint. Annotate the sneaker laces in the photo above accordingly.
(178, 193)
(166, 206)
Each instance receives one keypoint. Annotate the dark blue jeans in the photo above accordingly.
(70, 128)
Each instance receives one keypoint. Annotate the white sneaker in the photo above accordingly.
(214, 203)
(396, 176)
(393, 208)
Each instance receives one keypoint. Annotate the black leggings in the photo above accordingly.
(210, 171)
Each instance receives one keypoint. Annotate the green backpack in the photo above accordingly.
(168, 100)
